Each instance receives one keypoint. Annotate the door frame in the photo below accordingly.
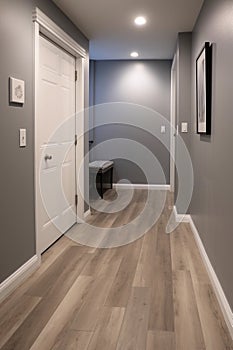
(173, 123)
(43, 24)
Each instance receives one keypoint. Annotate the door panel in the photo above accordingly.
(56, 103)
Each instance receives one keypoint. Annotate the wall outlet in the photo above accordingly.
(163, 129)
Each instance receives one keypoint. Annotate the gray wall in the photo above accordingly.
(17, 239)
(183, 94)
(184, 47)
(211, 206)
(146, 83)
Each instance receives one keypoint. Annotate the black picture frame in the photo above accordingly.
(204, 90)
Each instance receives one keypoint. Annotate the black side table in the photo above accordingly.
(99, 168)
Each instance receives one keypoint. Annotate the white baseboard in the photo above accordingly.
(87, 213)
(224, 305)
(181, 217)
(130, 186)
(14, 280)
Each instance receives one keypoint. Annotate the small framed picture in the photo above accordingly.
(204, 89)
(17, 90)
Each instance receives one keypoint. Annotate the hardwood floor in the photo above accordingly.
(151, 294)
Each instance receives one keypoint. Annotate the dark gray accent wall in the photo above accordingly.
(17, 218)
(147, 83)
(211, 206)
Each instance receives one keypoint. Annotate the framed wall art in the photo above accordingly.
(204, 89)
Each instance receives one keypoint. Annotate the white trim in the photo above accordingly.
(222, 300)
(172, 122)
(224, 305)
(79, 126)
(48, 27)
(180, 217)
(14, 280)
(141, 186)
(87, 213)
(35, 93)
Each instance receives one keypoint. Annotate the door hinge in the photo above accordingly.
(76, 200)
(76, 75)
(76, 140)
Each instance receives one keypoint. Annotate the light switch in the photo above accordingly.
(184, 127)
(22, 138)
(163, 129)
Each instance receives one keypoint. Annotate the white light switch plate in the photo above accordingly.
(22, 138)
(184, 127)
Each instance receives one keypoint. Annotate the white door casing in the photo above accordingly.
(43, 25)
(80, 129)
(173, 123)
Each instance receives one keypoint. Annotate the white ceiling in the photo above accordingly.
(109, 24)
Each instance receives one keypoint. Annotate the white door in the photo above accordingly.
(55, 153)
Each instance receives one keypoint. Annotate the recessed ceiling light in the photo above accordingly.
(140, 21)
(134, 54)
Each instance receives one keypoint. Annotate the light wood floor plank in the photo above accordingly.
(94, 264)
(133, 333)
(196, 265)
(12, 317)
(108, 328)
(73, 340)
(121, 288)
(187, 322)
(179, 251)
(161, 310)
(61, 316)
(86, 317)
(144, 275)
(160, 340)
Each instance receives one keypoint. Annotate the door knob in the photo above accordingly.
(47, 157)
